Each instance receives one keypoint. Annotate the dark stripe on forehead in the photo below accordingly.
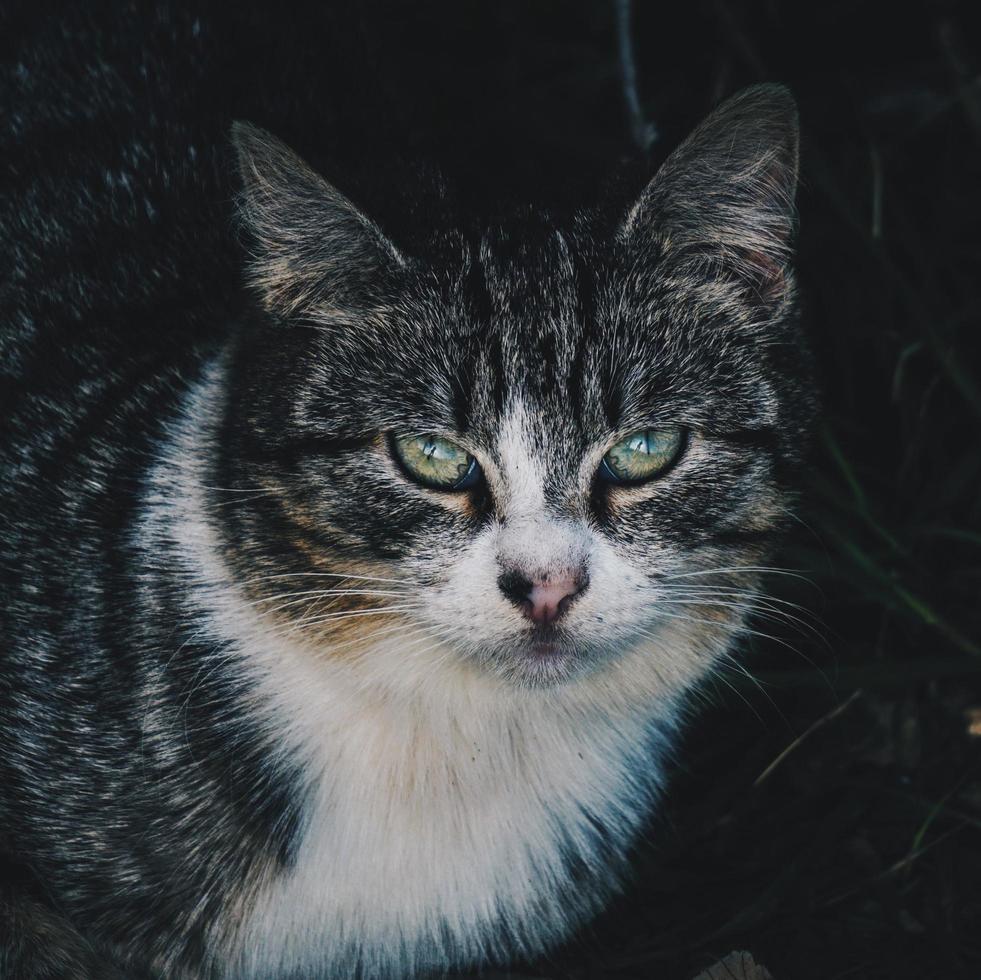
(497, 382)
(461, 397)
(586, 329)
(477, 314)
(480, 307)
(584, 270)
(497, 293)
(576, 385)
(540, 295)
(548, 361)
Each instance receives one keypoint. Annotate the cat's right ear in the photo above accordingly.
(726, 195)
(311, 247)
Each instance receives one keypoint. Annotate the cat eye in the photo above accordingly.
(436, 462)
(643, 455)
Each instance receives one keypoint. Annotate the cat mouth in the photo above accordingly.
(541, 657)
(548, 649)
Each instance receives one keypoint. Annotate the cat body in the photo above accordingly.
(274, 700)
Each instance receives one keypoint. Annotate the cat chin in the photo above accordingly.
(538, 661)
(543, 664)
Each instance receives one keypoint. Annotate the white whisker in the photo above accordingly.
(733, 569)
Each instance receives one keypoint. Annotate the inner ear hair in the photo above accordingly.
(727, 193)
(309, 244)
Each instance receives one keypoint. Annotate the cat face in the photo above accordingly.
(540, 448)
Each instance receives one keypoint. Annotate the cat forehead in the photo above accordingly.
(585, 337)
(536, 290)
(532, 332)
(526, 282)
(528, 263)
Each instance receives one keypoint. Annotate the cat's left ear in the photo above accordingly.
(727, 193)
(310, 245)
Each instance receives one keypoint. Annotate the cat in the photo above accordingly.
(348, 633)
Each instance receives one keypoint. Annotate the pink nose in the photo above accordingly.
(545, 599)
(544, 604)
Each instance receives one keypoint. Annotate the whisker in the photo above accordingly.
(255, 494)
(718, 676)
(204, 486)
(736, 628)
(732, 569)
(347, 614)
(372, 637)
(755, 606)
(335, 575)
(728, 662)
(737, 593)
(742, 697)
(312, 595)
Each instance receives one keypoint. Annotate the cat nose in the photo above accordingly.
(543, 600)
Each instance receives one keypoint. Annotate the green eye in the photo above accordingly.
(643, 455)
(436, 462)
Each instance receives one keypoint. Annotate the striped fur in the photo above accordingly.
(264, 709)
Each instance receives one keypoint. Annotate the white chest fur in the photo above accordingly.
(433, 824)
(444, 809)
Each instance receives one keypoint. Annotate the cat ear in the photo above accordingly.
(727, 193)
(310, 244)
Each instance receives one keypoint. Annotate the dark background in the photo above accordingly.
(859, 853)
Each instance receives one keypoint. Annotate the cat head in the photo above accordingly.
(533, 451)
